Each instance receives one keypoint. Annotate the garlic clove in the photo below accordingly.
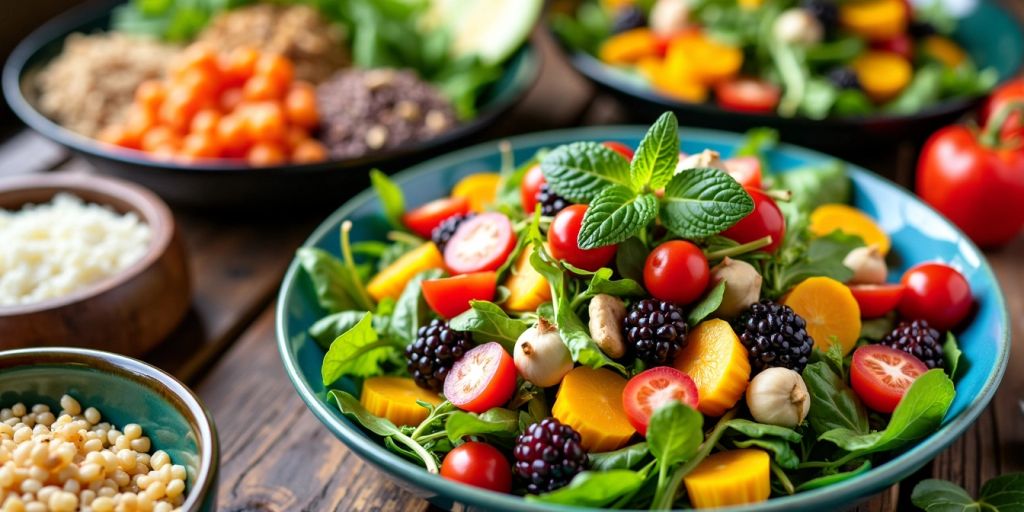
(778, 396)
(868, 265)
(742, 286)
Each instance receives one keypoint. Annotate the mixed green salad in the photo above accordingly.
(620, 327)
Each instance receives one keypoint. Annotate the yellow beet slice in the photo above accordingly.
(944, 50)
(590, 401)
(527, 288)
(674, 84)
(698, 58)
(717, 362)
(395, 398)
(828, 218)
(883, 74)
(392, 280)
(830, 311)
(735, 477)
(876, 20)
(479, 189)
(629, 47)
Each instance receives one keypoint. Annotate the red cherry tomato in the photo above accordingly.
(877, 300)
(1009, 92)
(479, 244)
(650, 390)
(900, 45)
(676, 271)
(424, 219)
(765, 220)
(483, 379)
(881, 375)
(562, 241)
(530, 187)
(936, 293)
(746, 170)
(450, 296)
(748, 95)
(480, 465)
(619, 148)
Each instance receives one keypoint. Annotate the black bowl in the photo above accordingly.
(222, 184)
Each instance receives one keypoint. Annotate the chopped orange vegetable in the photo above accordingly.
(479, 189)
(629, 47)
(392, 280)
(682, 89)
(828, 218)
(395, 398)
(883, 74)
(695, 57)
(527, 288)
(590, 401)
(717, 362)
(830, 310)
(944, 50)
(735, 477)
(876, 20)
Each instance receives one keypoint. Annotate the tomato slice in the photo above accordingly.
(881, 375)
(877, 300)
(746, 170)
(424, 219)
(450, 296)
(530, 187)
(654, 388)
(480, 244)
(748, 95)
(619, 148)
(483, 379)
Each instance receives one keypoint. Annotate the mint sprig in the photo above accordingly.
(581, 170)
(657, 155)
(703, 202)
(615, 215)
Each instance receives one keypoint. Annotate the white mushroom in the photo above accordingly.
(868, 265)
(540, 355)
(704, 160)
(742, 286)
(798, 26)
(606, 316)
(669, 16)
(778, 396)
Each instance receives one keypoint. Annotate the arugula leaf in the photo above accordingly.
(782, 451)
(674, 434)
(487, 320)
(357, 352)
(391, 198)
(951, 353)
(760, 430)
(331, 282)
(702, 202)
(616, 214)
(630, 259)
(825, 481)
(623, 458)
(593, 488)
(581, 170)
(411, 310)
(707, 305)
(328, 328)
(497, 422)
(657, 155)
(833, 404)
(1001, 494)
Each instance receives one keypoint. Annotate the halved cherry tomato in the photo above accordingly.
(479, 244)
(877, 300)
(450, 296)
(936, 293)
(484, 378)
(653, 389)
(746, 170)
(901, 44)
(424, 219)
(881, 375)
(619, 148)
(748, 95)
(562, 241)
(676, 271)
(530, 187)
(480, 465)
(765, 220)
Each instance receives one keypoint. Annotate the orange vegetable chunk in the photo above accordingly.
(392, 280)
(395, 398)
(735, 477)
(717, 362)
(590, 401)
(830, 310)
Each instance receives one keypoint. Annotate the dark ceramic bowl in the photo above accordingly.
(124, 390)
(228, 184)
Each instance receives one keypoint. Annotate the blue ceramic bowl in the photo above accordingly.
(124, 390)
(918, 234)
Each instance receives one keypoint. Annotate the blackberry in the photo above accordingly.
(844, 78)
(657, 330)
(921, 29)
(547, 455)
(446, 229)
(628, 18)
(774, 336)
(550, 202)
(918, 339)
(825, 11)
(431, 356)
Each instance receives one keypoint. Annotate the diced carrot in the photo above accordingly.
(877, 20)
(527, 288)
(944, 50)
(883, 74)
(590, 401)
(479, 189)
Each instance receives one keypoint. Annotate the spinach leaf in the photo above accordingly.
(825, 481)
(761, 430)
(581, 170)
(602, 282)
(391, 198)
(1001, 494)
(816, 184)
(656, 156)
(951, 353)
(497, 422)
(781, 450)
(824, 257)
(833, 404)
(411, 310)
(331, 282)
(630, 259)
(509, 195)
(488, 320)
(707, 305)
(328, 328)
(358, 352)
(757, 142)
(674, 434)
(614, 215)
(623, 458)
(594, 489)
(702, 202)
(383, 427)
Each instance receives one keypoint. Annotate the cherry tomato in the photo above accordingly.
(900, 45)
(676, 271)
(480, 465)
(748, 95)
(450, 296)
(765, 220)
(530, 187)
(936, 293)
(746, 170)
(562, 241)
(881, 375)
(877, 300)
(619, 148)
(483, 379)
(424, 219)
(479, 244)
(1009, 92)
(654, 388)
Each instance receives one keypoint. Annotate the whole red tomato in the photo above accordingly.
(936, 293)
(1012, 91)
(765, 220)
(676, 271)
(480, 465)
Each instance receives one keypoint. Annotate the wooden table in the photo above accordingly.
(276, 456)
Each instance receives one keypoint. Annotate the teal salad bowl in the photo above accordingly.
(918, 234)
(124, 390)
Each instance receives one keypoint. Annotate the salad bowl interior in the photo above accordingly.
(918, 234)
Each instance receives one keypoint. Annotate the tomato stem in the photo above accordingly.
(764, 241)
(991, 135)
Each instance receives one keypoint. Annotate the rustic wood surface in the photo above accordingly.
(276, 456)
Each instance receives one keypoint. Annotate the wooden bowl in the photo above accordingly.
(129, 312)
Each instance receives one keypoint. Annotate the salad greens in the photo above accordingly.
(1001, 494)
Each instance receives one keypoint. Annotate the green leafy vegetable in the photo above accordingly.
(582, 170)
(411, 310)
(815, 185)
(657, 154)
(594, 489)
(781, 450)
(707, 305)
(331, 281)
(351, 407)
(1001, 494)
(488, 321)
(328, 328)
(630, 259)
(827, 480)
(761, 430)
(833, 404)
(357, 352)
(496, 422)
(951, 353)
(925, 89)
(702, 202)
(391, 198)
(615, 215)
(602, 282)
(674, 436)
(623, 458)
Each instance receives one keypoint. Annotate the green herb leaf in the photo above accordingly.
(392, 200)
(581, 170)
(657, 155)
(357, 352)
(488, 321)
(781, 450)
(876, 328)
(630, 259)
(757, 142)
(951, 353)
(824, 257)
(351, 407)
(623, 458)
(411, 310)
(833, 404)
(496, 422)
(616, 214)
(1001, 494)
(331, 282)
(816, 184)
(594, 489)
(702, 202)
(825, 481)
(675, 433)
(328, 328)
(760, 430)
(509, 195)
(602, 282)
(707, 305)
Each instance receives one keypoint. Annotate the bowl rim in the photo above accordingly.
(150, 209)
(15, 69)
(188, 404)
(851, 490)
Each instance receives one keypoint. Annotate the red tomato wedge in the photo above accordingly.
(654, 388)
(877, 300)
(483, 379)
(480, 244)
(530, 187)
(424, 219)
(881, 375)
(748, 95)
(450, 296)
(619, 148)
(746, 170)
